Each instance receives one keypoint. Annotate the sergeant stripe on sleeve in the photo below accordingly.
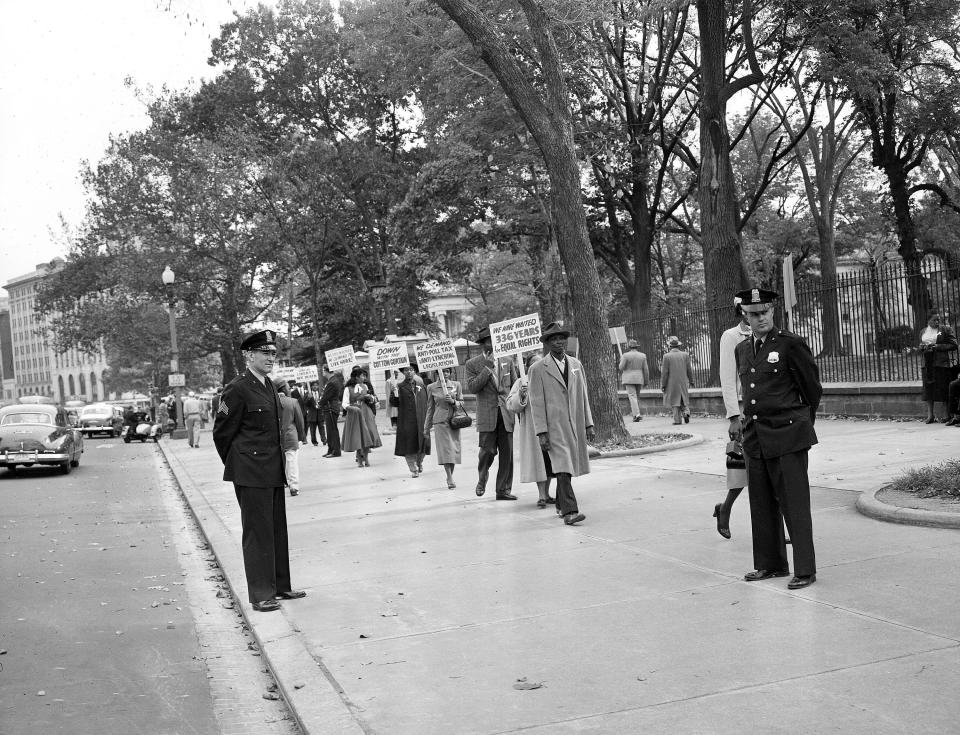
(223, 408)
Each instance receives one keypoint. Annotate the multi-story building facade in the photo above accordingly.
(37, 368)
(8, 384)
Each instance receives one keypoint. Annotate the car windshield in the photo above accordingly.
(26, 418)
(96, 411)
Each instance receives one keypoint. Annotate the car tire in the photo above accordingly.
(12, 469)
(126, 440)
(65, 467)
(74, 462)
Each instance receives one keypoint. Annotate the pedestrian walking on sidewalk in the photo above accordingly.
(312, 416)
(330, 407)
(634, 375)
(676, 374)
(360, 403)
(561, 418)
(292, 434)
(411, 443)
(193, 418)
(489, 380)
(780, 384)
(440, 406)
(730, 389)
(247, 435)
(532, 467)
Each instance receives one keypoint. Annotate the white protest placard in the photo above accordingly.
(389, 356)
(307, 374)
(513, 336)
(618, 335)
(340, 358)
(435, 355)
(284, 373)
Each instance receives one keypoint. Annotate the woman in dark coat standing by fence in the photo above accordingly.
(937, 343)
(411, 444)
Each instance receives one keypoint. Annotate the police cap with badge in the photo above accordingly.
(755, 297)
(259, 340)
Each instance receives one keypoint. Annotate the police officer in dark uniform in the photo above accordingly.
(781, 390)
(246, 432)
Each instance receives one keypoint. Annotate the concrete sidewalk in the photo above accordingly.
(427, 606)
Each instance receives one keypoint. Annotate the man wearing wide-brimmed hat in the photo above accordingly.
(247, 435)
(561, 417)
(634, 374)
(490, 380)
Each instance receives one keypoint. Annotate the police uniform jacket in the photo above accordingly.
(247, 433)
(781, 391)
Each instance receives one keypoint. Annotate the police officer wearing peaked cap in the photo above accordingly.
(246, 432)
(781, 391)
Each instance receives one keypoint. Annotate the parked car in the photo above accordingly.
(141, 427)
(101, 418)
(38, 434)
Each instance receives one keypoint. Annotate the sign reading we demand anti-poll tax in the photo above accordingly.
(514, 336)
(390, 356)
(435, 355)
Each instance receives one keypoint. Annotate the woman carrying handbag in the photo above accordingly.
(444, 413)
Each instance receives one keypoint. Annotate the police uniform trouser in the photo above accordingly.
(266, 560)
(780, 485)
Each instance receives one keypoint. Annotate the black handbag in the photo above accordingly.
(459, 418)
(735, 459)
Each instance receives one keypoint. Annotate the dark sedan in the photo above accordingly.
(38, 435)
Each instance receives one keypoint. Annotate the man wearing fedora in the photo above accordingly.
(634, 374)
(561, 417)
(490, 380)
(247, 435)
(780, 385)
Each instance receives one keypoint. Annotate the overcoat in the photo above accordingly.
(781, 392)
(491, 386)
(411, 415)
(246, 433)
(525, 442)
(676, 374)
(562, 410)
(291, 423)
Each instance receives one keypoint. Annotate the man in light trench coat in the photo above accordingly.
(561, 417)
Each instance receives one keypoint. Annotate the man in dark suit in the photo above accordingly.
(780, 384)
(311, 413)
(490, 380)
(330, 407)
(247, 435)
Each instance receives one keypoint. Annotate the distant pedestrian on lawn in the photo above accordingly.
(634, 375)
(780, 384)
(246, 432)
(561, 417)
(676, 375)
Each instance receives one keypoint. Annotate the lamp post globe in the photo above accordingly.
(168, 277)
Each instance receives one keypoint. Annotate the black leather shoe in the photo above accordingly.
(506, 496)
(290, 595)
(266, 606)
(723, 520)
(572, 518)
(800, 582)
(334, 454)
(480, 490)
(760, 574)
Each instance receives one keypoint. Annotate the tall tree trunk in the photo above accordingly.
(549, 121)
(724, 271)
(828, 273)
(918, 293)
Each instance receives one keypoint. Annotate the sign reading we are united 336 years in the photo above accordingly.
(513, 336)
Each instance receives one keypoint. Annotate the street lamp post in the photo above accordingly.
(168, 279)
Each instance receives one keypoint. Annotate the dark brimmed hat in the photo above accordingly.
(673, 341)
(483, 334)
(552, 330)
(632, 343)
(255, 341)
(753, 296)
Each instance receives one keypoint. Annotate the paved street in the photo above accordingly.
(111, 624)
(432, 611)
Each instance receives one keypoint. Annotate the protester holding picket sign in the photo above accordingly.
(444, 397)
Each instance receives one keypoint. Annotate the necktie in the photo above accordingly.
(757, 344)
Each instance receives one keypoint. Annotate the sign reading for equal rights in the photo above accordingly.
(340, 358)
(513, 336)
(435, 355)
(389, 356)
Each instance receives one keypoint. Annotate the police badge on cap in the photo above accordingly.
(255, 341)
(753, 296)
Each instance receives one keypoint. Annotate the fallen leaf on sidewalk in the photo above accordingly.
(524, 684)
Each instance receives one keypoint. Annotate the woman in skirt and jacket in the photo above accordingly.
(440, 406)
(360, 433)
